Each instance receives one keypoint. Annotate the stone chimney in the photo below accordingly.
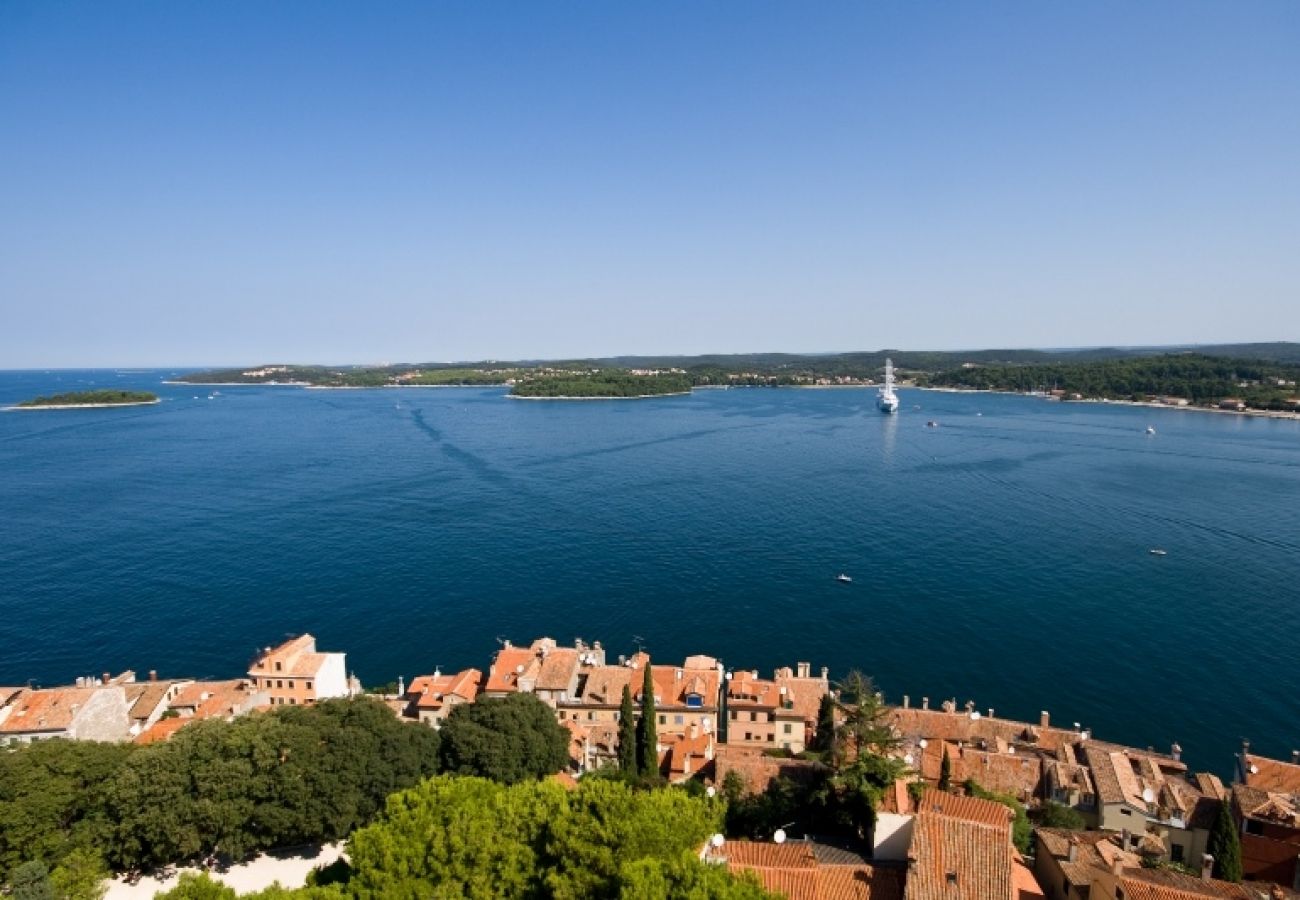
(1295, 757)
(1072, 855)
(1176, 751)
(105, 678)
(1044, 719)
(990, 712)
(1207, 867)
(805, 669)
(153, 674)
(925, 703)
(907, 702)
(401, 686)
(1117, 865)
(826, 673)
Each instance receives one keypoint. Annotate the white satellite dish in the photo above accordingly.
(923, 743)
(1149, 795)
(717, 841)
(974, 716)
(1254, 769)
(907, 759)
(779, 836)
(711, 791)
(728, 676)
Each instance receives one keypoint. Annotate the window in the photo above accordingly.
(279, 666)
(309, 685)
(748, 736)
(1125, 812)
(678, 720)
(789, 729)
(753, 717)
(1176, 853)
(279, 683)
(293, 701)
(734, 715)
(771, 717)
(663, 720)
(694, 700)
(771, 736)
(590, 716)
(1254, 827)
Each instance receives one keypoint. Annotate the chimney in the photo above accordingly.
(694, 731)
(401, 686)
(952, 878)
(907, 701)
(925, 703)
(1207, 866)
(1245, 745)
(990, 712)
(1044, 719)
(805, 669)
(153, 674)
(970, 706)
(1176, 751)
(106, 678)
(1117, 865)
(1295, 757)
(826, 673)
(1072, 854)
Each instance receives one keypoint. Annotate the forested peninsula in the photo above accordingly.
(83, 399)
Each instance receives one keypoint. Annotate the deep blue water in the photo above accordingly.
(1001, 557)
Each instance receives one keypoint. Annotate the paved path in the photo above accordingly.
(289, 867)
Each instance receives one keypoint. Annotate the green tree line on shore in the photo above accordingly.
(604, 383)
(73, 398)
(1197, 378)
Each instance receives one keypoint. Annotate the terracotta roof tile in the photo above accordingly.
(1271, 774)
(50, 709)
(967, 809)
(952, 858)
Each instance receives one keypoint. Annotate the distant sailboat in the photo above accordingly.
(887, 400)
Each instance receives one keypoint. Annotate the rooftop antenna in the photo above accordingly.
(640, 643)
(501, 640)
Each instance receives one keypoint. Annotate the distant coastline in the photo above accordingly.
(1151, 404)
(601, 397)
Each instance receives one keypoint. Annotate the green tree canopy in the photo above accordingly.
(1225, 846)
(647, 733)
(627, 762)
(474, 838)
(508, 739)
(1056, 815)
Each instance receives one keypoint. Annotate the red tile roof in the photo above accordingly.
(430, 691)
(968, 809)
(1271, 774)
(792, 869)
(51, 709)
(954, 858)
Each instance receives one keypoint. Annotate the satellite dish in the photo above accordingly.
(1254, 769)
(779, 836)
(907, 759)
(717, 841)
(711, 791)
(974, 717)
(1149, 795)
(923, 743)
(728, 676)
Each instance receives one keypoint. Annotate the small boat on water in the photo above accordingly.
(932, 424)
(886, 399)
(1156, 551)
(843, 579)
(1151, 429)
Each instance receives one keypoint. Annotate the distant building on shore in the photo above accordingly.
(295, 674)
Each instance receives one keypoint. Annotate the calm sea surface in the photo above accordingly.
(1000, 557)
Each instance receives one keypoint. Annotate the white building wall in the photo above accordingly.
(892, 836)
(332, 679)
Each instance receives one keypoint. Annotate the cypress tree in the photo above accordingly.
(627, 738)
(945, 770)
(647, 736)
(824, 737)
(1225, 846)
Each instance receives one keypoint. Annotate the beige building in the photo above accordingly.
(295, 674)
(90, 712)
(776, 713)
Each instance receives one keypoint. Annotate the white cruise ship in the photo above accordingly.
(887, 399)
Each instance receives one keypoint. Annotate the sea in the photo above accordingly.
(1000, 555)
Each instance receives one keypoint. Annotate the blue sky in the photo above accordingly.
(240, 182)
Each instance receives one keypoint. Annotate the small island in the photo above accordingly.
(89, 400)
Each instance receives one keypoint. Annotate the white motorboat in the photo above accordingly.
(844, 579)
(887, 400)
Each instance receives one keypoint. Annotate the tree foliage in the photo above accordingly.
(627, 761)
(1225, 846)
(647, 732)
(1056, 815)
(297, 775)
(473, 838)
(510, 739)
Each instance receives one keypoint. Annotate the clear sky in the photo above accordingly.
(187, 183)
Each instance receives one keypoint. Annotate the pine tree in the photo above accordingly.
(647, 737)
(945, 770)
(1225, 846)
(627, 737)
